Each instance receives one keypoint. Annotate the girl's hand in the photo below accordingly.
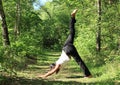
(42, 76)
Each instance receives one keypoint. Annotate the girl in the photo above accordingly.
(68, 51)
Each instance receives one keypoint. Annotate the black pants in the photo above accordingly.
(70, 49)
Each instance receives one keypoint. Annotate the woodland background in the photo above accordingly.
(27, 33)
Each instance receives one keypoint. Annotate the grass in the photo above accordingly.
(71, 74)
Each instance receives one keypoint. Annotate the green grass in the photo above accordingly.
(71, 74)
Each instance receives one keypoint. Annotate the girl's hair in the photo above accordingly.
(52, 66)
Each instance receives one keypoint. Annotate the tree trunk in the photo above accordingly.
(17, 22)
(118, 44)
(4, 26)
(98, 39)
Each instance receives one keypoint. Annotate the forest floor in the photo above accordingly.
(69, 75)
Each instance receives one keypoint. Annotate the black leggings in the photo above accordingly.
(70, 49)
(70, 38)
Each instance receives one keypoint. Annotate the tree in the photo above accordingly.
(17, 22)
(98, 39)
(4, 26)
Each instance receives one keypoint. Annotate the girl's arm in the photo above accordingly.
(50, 72)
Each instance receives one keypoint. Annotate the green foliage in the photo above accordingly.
(14, 57)
(48, 28)
(6, 62)
(28, 43)
(54, 26)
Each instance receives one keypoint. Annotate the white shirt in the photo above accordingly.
(63, 58)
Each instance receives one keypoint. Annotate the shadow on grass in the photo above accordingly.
(25, 81)
(50, 54)
(47, 57)
(75, 77)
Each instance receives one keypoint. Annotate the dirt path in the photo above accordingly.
(69, 75)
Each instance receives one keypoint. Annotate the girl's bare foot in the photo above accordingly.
(74, 12)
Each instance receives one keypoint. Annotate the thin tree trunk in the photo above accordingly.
(17, 22)
(118, 44)
(98, 39)
(4, 26)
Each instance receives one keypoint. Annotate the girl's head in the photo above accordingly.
(52, 66)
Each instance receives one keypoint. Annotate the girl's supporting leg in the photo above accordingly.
(71, 50)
